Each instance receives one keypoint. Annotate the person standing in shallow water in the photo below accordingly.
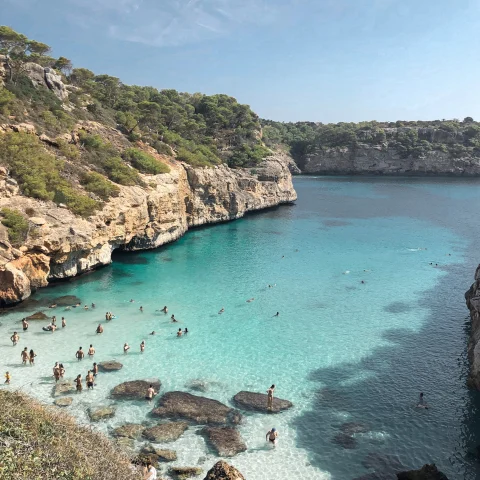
(32, 357)
(24, 356)
(15, 338)
(271, 436)
(91, 351)
(89, 380)
(80, 354)
(24, 324)
(78, 382)
(270, 397)
(142, 346)
(179, 333)
(126, 348)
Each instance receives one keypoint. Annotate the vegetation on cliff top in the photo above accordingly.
(38, 442)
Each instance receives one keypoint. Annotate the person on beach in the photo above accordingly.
(270, 397)
(221, 311)
(78, 382)
(15, 338)
(89, 380)
(91, 351)
(24, 324)
(24, 356)
(179, 333)
(126, 348)
(150, 393)
(271, 436)
(151, 473)
(80, 354)
(99, 328)
(64, 322)
(142, 346)
(421, 402)
(141, 309)
(95, 369)
(31, 357)
(185, 331)
(7, 378)
(173, 319)
(61, 370)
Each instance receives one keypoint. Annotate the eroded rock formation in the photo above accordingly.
(472, 297)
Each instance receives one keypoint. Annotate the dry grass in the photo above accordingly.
(38, 442)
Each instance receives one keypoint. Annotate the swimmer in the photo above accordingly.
(363, 281)
(221, 311)
(77, 304)
(346, 272)
(165, 309)
(80, 354)
(277, 314)
(85, 307)
(15, 338)
(78, 381)
(68, 308)
(142, 346)
(8, 377)
(173, 319)
(250, 300)
(153, 333)
(271, 436)
(421, 402)
(141, 309)
(32, 356)
(54, 320)
(185, 331)
(61, 369)
(126, 348)
(150, 393)
(24, 356)
(64, 322)
(132, 300)
(99, 328)
(89, 380)
(179, 333)
(93, 305)
(95, 369)
(53, 305)
(24, 324)
(91, 351)
(56, 372)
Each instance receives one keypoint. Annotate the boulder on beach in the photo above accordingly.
(184, 472)
(38, 316)
(101, 413)
(63, 387)
(165, 432)
(110, 366)
(129, 430)
(160, 454)
(223, 471)
(226, 441)
(66, 301)
(196, 409)
(135, 389)
(258, 402)
(427, 472)
(63, 402)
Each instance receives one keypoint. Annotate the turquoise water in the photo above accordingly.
(340, 350)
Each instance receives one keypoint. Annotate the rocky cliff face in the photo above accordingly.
(472, 296)
(382, 160)
(62, 245)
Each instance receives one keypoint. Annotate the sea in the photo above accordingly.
(368, 276)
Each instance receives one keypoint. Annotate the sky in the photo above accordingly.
(290, 60)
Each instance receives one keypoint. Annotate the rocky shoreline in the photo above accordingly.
(61, 245)
(472, 297)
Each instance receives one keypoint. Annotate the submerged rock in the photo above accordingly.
(344, 440)
(63, 387)
(223, 471)
(427, 472)
(63, 402)
(350, 428)
(226, 441)
(66, 300)
(197, 385)
(184, 472)
(135, 389)
(101, 413)
(258, 402)
(110, 366)
(201, 410)
(159, 454)
(129, 430)
(165, 432)
(37, 316)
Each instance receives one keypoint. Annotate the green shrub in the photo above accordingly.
(99, 185)
(144, 162)
(17, 225)
(79, 204)
(90, 142)
(246, 156)
(6, 100)
(120, 173)
(68, 150)
(162, 148)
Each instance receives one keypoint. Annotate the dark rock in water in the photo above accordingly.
(135, 389)
(350, 428)
(184, 472)
(129, 430)
(130, 259)
(66, 300)
(427, 472)
(101, 413)
(223, 471)
(226, 441)
(165, 432)
(160, 454)
(63, 402)
(38, 316)
(397, 307)
(63, 387)
(201, 410)
(377, 476)
(258, 402)
(111, 366)
(344, 440)
(381, 462)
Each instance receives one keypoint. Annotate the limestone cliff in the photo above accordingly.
(62, 245)
(472, 296)
(384, 160)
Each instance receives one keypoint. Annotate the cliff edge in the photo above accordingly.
(472, 297)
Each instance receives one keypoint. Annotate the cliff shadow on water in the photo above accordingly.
(374, 443)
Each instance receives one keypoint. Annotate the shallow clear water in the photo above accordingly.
(341, 350)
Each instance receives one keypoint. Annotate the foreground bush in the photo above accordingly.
(144, 162)
(17, 225)
(42, 443)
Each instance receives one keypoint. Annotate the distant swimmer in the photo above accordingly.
(421, 402)
(141, 309)
(277, 314)
(362, 281)
(271, 436)
(346, 272)
(99, 328)
(126, 348)
(283, 256)
(8, 377)
(56, 372)
(77, 304)
(53, 305)
(80, 354)
(64, 322)
(250, 300)
(153, 333)
(54, 320)
(185, 331)
(173, 318)
(221, 310)
(31, 357)
(24, 356)
(150, 393)
(24, 324)
(179, 333)
(165, 309)
(270, 393)
(132, 300)
(78, 382)
(85, 307)
(93, 305)
(142, 346)
(91, 351)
